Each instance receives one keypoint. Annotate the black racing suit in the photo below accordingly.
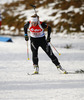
(41, 42)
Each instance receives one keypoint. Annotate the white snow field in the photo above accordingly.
(15, 84)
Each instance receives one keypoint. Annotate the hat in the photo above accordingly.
(34, 19)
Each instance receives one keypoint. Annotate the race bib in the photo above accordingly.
(36, 34)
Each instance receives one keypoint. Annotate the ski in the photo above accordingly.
(76, 72)
(81, 71)
(32, 74)
(71, 72)
(62, 71)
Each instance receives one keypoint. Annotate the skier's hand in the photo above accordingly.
(48, 39)
(26, 37)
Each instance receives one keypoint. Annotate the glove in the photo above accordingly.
(26, 37)
(48, 39)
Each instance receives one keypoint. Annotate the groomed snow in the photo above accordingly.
(15, 84)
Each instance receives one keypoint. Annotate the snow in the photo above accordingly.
(15, 84)
(82, 28)
(6, 1)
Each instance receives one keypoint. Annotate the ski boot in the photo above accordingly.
(63, 71)
(36, 69)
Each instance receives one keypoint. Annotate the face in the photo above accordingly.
(34, 23)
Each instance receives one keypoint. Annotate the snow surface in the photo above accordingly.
(15, 84)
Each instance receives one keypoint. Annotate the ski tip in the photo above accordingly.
(32, 74)
(65, 72)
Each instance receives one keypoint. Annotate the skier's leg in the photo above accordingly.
(54, 59)
(51, 55)
(46, 47)
(34, 54)
(34, 49)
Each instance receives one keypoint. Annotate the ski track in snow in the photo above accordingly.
(15, 84)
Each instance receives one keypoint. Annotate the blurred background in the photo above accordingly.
(64, 16)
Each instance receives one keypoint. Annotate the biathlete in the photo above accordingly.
(38, 39)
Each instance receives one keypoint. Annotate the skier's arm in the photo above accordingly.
(49, 31)
(44, 25)
(26, 27)
(25, 31)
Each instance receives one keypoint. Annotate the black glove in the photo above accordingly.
(26, 37)
(48, 39)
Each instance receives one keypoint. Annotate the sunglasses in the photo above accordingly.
(34, 23)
